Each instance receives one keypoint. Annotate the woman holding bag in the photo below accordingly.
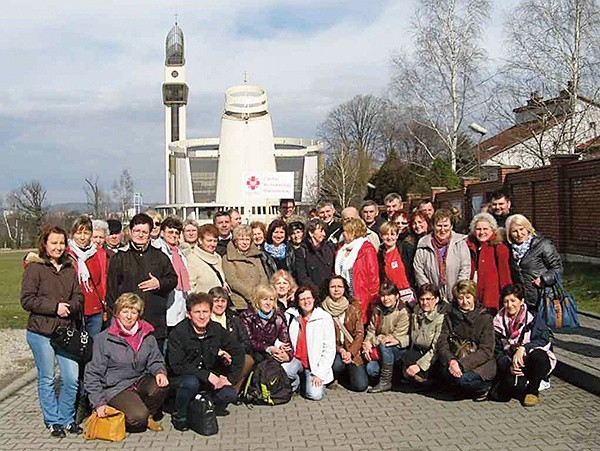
(51, 294)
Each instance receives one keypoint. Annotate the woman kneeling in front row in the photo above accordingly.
(127, 370)
(466, 343)
(387, 336)
(523, 349)
(312, 334)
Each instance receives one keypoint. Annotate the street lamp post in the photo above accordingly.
(481, 131)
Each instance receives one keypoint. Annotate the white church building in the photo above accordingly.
(203, 175)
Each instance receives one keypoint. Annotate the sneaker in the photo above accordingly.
(73, 428)
(481, 397)
(544, 385)
(531, 400)
(56, 430)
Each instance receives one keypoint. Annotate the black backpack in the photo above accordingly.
(201, 416)
(268, 384)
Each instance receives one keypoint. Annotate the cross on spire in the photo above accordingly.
(176, 15)
(245, 76)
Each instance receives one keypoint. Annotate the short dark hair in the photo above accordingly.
(81, 222)
(314, 224)
(220, 213)
(313, 290)
(43, 239)
(171, 222)
(283, 202)
(276, 223)
(369, 203)
(425, 201)
(198, 298)
(499, 194)
(141, 218)
(220, 292)
(231, 210)
(344, 281)
(387, 288)
(428, 288)
(515, 289)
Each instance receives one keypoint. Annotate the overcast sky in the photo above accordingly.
(81, 80)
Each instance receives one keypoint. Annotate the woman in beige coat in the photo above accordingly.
(442, 257)
(243, 267)
(204, 264)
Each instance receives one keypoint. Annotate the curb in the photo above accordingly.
(18, 384)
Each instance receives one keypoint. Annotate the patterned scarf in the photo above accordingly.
(441, 250)
(278, 252)
(83, 273)
(519, 250)
(183, 278)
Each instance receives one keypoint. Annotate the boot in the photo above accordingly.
(385, 380)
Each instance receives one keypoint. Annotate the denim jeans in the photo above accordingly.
(293, 369)
(388, 355)
(57, 410)
(188, 386)
(357, 375)
(470, 382)
(93, 324)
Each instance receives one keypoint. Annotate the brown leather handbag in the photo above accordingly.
(111, 427)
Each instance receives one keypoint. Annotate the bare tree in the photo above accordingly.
(28, 202)
(441, 77)
(340, 180)
(351, 132)
(554, 46)
(123, 192)
(96, 197)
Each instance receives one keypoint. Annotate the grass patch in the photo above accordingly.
(12, 314)
(582, 281)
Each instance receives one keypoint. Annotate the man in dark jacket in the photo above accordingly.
(202, 356)
(144, 270)
(500, 206)
(222, 221)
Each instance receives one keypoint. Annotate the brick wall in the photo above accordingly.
(561, 200)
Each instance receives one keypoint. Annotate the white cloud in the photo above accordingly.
(81, 84)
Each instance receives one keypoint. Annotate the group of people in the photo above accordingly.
(360, 299)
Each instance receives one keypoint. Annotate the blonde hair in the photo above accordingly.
(283, 274)
(129, 300)
(261, 292)
(356, 227)
(388, 227)
(465, 287)
(519, 221)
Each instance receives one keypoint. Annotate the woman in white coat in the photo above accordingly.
(312, 334)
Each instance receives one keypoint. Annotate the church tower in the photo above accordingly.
(175, 96)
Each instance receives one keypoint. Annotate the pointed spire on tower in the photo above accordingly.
(174, 47)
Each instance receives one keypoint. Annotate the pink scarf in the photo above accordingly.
(183, 278)
(132, 337)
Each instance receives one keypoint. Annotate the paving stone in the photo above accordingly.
(566, 418)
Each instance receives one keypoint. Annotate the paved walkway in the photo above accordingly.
(567, 418)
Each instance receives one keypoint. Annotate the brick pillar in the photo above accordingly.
(558, 163)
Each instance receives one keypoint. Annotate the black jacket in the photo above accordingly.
(542, 260)
(314, 265)
(222, 246)
(236, 331)
(188, 353)
(128, 268)
(408, 249)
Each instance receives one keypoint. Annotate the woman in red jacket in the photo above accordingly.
(90, 262)
(356, 261)
(489, 260)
